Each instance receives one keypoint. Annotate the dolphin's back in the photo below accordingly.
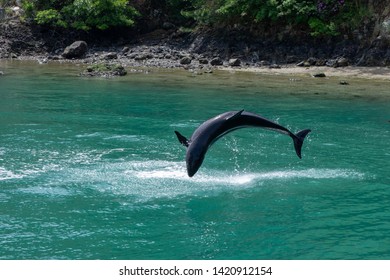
(248, 119)
(214, 128)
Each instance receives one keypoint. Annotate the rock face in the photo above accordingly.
(76, 50)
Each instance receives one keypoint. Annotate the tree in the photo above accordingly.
(81, 14)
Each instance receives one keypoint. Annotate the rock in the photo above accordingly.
(104, 70)
(53, 57)
(203, 61)
(125, 50)
(331, 63)
(344, 83)
(265, 63)
(216, 61)
(168, 25)
(185, 60)
(2, 13)
(77, 49)
(311, 61)
(43, 60)
(319, 75)
(1, 73)
(17, 11)
(140, 56)
(274, 66)
(321, 62)
(234, 62)
(110, 55)
(342, 62)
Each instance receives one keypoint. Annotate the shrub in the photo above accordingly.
(81, 14)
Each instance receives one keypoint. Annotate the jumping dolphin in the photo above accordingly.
(213, 129)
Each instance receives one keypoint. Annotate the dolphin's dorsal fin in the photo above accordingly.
(183, 140)
(236, 115)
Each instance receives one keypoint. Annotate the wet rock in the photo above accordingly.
(216, 61)
(344, 83)
(319, 75)
(77, 49)
(234, 62)
(104, 70)
(1, 73)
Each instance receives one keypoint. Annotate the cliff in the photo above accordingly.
(277, 43)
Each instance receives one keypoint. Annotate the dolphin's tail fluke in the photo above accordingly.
(298, 140)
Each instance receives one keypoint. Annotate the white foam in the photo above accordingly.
(176, 171)
(157, 179)
(146, 180)
(8, 175)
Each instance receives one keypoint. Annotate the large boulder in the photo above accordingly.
(234, 62)
(77, 49)
(216, 61)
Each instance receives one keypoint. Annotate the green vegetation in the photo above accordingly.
(81, 14)
(327, 17)
(319, 17)
(105, 70)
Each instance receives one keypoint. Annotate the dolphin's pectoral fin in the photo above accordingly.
(184, 141)
(236, 115)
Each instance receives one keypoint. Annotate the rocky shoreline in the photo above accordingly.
(199, 52)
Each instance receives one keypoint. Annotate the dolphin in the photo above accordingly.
(213, 129)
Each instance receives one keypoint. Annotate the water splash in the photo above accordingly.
(8, 175)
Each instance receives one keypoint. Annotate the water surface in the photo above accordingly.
(91, 168)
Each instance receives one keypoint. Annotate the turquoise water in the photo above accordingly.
(91, 168)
